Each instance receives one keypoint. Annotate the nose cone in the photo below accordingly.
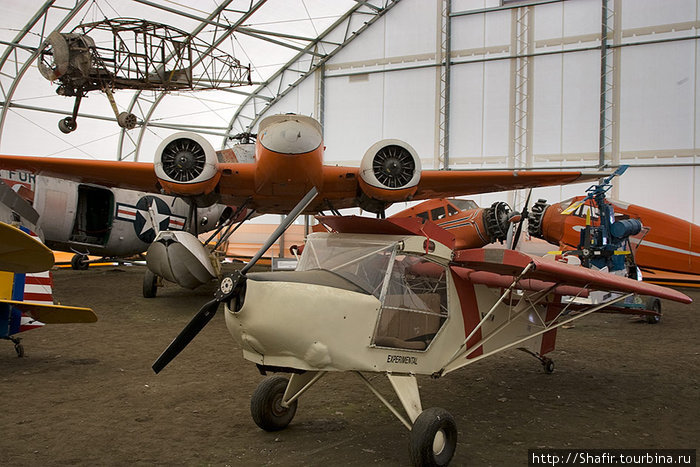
(290, 134)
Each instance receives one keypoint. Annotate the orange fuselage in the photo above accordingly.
(666, 242)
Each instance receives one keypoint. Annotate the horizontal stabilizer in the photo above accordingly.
(54, 314)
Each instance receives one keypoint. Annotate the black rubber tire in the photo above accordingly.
(265, 405)
(79, 262)
(655, 306)
(67, 125)
(548, 366)
(150, 284)
(425, 429)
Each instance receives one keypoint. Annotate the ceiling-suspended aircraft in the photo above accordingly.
(287, 163)
(392, 296)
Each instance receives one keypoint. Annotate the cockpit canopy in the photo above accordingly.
(411, 287)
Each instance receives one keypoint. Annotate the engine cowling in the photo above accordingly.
(389, 172)
(186, 165)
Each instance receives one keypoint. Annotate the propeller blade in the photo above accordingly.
(524, 214)
(230, 286)
(205, 314)
(289, 220)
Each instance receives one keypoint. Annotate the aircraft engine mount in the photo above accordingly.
(389, 172)
(186, 165)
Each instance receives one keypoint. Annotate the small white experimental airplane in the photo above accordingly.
(394, 297)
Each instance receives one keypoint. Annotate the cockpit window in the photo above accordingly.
(464, 204)
(414, 304)
(360, 261)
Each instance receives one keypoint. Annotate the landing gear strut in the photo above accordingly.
(150, 284)
(19, 348)
(547, 363)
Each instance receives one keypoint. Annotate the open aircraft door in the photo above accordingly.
(93, 215)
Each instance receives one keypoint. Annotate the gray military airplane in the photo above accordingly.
(89, 219)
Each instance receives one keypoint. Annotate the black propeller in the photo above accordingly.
(230, 287)
(523, 214)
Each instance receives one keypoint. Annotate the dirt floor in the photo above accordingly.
(86, 395)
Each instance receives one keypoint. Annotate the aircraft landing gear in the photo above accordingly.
(655, 305)
(267, 404)
(150, 284)
(433, 437)
(79, 262)
(19, 348)
(67, 125)
(547, 363)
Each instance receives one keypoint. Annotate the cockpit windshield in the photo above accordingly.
(361, 261)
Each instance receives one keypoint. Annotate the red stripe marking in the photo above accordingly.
(549, 337)
(38, 280)
(38, 297)
(470, 311)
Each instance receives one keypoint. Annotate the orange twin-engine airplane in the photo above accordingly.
(288, 163)
(667, 249)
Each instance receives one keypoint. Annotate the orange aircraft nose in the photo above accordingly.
(291, 134)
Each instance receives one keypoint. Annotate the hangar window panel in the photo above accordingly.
(414, 304)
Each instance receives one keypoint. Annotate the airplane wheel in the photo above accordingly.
(548, 366)
(67, 125)
(433, 438)
(79, 262)
(655, 306)
(150, 284)
(266, 404)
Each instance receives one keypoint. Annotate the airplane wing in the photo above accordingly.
(54, 314)
(341, 188)
(20, 253)
(512, 263)
(446, 183)
(123, 174)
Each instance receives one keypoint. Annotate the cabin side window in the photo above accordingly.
(438, 213)
(414, 304)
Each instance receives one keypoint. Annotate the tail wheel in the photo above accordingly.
(655, 306)
(433, 438)
(266, 404)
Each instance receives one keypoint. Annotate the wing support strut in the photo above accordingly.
(526, 304)
(462, 347)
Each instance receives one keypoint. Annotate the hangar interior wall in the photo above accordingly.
(525, 91)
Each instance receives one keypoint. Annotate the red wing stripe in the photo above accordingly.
(512, 263)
